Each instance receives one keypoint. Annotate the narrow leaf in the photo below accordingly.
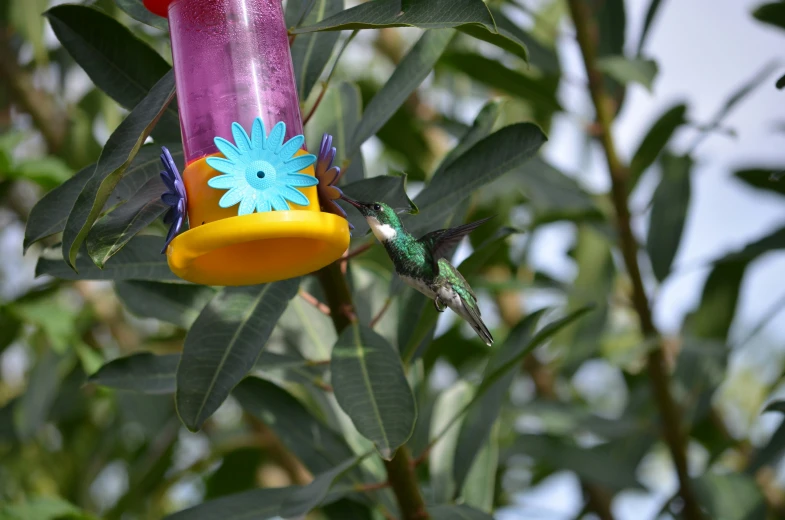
(179, 304)
(115, 158)
(730, 496)
(443, 455)
(317, 446)
(629, 70)
(371, 387)
(479, 488)
(303, 499)
(257, 504)
(224, 343)
(762, 178)
(141, 259)
(50, 214)
(119, 63)
(113, 231)
(311, 52)
(469, 16)
(457, 513)
(144, 372)
(408, 75)
(651, 13)
(483, 413)
(481, 128)
(669, 213)
(772, 14)
(540, 92)
(136, 10)
(484, 162)
(655, 141)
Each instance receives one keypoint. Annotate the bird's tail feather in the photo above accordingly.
(472, 316)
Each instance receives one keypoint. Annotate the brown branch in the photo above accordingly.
(47, 116)
(400, 470)
(673, 431)
(381, 313)
(311, 299)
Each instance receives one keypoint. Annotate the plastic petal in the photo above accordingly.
(263, 205)
(228, 149)
(275, 139)
(222, 182)
(231, 197)
(241, 139)
(222, 165)
(247, 205)
(279, 203)
(258, 133)
(291, 146)
(294, 196)
(299, 163)
(300, 179)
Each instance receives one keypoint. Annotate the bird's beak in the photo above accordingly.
(353, 202)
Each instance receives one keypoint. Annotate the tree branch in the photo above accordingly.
(586, 34)
(400, 470)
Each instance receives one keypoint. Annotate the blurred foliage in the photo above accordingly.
(127, 394)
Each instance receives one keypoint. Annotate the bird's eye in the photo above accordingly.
(377, 207)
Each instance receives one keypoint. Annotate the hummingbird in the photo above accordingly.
(421, 262)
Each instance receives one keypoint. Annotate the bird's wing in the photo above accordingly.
(441, 242)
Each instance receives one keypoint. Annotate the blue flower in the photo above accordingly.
(261, 172)
(175, 197)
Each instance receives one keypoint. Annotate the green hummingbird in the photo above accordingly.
(421, 264)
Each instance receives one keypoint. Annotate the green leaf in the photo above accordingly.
(47, 172)
(541, 56)
(50, 214)
(612, 464)
(179, 304)
(311, 52)
(143, 372)
(443, 455)
(731, 496)
(408, 75)
(118, 62)
(484, 162)
(762, 178)
(338, 115)
(10, 326)
(113, 231)
(551, 193)
(629, 70)
(457, 513)
(482, 414)
(120, 150)
(540, 92)
(390, 189)
(136, 10)
(224, 343)
(309, 439)
(42, 508)
(714, 315)
(32, 410)
(612, 20)
(781, 82)
(303, 499)
(775, 406)
(772, 14)
(481, 128)
(371, 387)
(469, 16)
(669, 213)
(655, 141)
(237, 473)
(479, 488)
(257, 504)
(771, 453)
(148, 373)
(141, 259)
(651, 13)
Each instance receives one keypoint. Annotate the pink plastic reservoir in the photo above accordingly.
(231, 63)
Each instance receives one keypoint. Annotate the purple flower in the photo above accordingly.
(175, 197)
(328, 175)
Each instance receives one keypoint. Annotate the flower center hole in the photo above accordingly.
(260, 174)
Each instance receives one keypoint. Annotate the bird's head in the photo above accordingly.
(382, 219)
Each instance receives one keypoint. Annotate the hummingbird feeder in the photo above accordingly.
(249, 187)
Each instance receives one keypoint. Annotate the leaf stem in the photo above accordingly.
(312, 300)
(673, 430)
(326, 82)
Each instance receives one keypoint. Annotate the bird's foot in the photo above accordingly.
(438, 304)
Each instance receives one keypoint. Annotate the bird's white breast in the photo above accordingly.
(382, 232)
(419, 285)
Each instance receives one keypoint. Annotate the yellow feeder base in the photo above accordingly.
(258, 248)
(227, 249)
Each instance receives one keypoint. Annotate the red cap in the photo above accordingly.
(159, 7)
